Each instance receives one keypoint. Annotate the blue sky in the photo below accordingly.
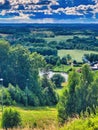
(49, 11)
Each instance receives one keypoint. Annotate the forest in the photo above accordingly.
(28, 49)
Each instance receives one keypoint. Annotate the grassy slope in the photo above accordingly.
(75, 54)
(46, 118)
(40, 117)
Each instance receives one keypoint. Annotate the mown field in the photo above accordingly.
(75, 54)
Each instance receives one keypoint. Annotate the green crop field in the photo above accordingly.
(75, 54)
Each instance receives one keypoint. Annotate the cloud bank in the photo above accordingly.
(48, 11)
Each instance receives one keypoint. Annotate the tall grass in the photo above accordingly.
(89, 123)
(36, 117)
(45, 118)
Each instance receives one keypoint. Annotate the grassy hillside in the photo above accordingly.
(75, 54)
(45, 118)
(40, 117)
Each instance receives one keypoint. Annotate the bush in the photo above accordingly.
(50, 97)
(6, 96)
(58, 80)
(10, 118)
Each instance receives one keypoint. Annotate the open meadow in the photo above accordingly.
(63, 38)
(75, 54)
(36, 117)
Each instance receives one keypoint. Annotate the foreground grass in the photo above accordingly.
(75, 54)
(90, 123)
(37, 117)
(45, 118)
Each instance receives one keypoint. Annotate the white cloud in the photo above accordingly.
(31, 7)
(2, 1)
(22, 20)
(15, 2)
(3, 12)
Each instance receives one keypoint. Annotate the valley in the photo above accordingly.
(46, 75)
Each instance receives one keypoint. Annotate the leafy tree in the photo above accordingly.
(91, 57)
(72, 97)
(50, 97)
(67, 103)
(62, 115)
(64, 60)
(81, 96)
(44, 51)
(58, 62)
(58, 80)
(83, 91)
(11, 118)
(23, 66)
(4, 52)
(52, 59)
(93, 97)
(16, 93)
(69, 58)
(19, 65)
(6, 96)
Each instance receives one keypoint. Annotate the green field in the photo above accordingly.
(45, 118)
(75, 54)
(39, 117)
(61, 68)
(58, 38)
(63, 38)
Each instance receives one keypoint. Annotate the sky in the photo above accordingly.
(49, 11)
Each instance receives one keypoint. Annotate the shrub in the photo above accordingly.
(58, 80)
(10, 118)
